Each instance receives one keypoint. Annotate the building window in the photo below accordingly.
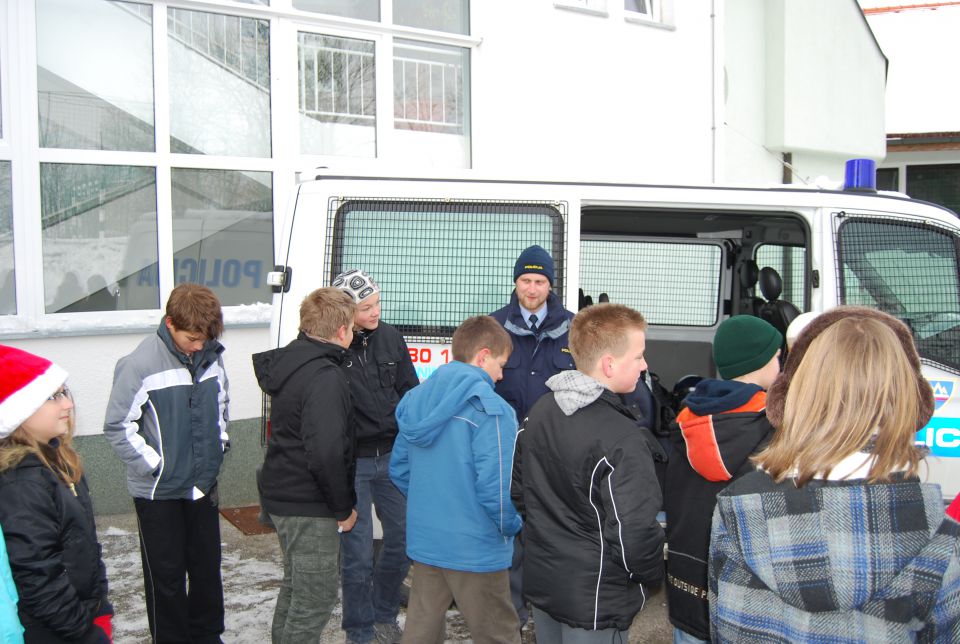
(888, 179)
(99, 230)
(8, 286)
(643, 8)
(938, 184)
(360, 9)
(95, 75)
(592, 6)
(452, 16)
(338, 99)
(219, 84)
(428, 87)
(223, 232)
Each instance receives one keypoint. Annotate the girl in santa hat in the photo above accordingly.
(45, 509)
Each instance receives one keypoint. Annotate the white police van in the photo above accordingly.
(686, 257)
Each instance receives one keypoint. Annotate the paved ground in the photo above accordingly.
(251, 575)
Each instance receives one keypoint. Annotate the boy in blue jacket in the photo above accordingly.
(452, 460)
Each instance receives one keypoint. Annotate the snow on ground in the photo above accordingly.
(252, 570)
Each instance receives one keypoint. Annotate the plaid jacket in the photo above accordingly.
(833, 561)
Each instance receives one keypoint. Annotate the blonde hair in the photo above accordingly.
(480, 332)
(62, 459)
(854, 390)
(601, 329)
(324, 311)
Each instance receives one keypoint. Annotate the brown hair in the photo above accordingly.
(480, 332)
(61, 459)
(195, 308)
(831, 411)
(324, 311)
(602, 329)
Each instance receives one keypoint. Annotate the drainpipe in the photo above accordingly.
(714, 148)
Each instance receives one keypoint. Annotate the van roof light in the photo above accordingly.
(860, 175)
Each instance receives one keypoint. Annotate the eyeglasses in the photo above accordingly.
(57, 396)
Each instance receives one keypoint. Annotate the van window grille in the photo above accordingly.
(439, 262)
(669, 283)
(909, 270)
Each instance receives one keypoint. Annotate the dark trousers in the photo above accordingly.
(180, 541)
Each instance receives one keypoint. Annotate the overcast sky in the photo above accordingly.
(922, 47)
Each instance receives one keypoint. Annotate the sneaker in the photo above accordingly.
(387, 633)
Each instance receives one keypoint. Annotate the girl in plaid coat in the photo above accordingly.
(835, 539)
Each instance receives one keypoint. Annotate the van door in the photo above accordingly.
(910, 268)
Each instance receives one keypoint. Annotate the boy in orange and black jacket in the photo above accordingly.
(722, 424)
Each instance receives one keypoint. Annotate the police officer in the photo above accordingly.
(538, 325)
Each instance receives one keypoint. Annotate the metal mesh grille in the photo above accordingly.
(669, 283)
(440, 262)
(908, 270)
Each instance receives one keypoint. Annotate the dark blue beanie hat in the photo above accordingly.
(534, 260)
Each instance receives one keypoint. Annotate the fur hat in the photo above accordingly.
(534, 260)
(357, 284)
(777, 395)
(743, 344)
(28, 381)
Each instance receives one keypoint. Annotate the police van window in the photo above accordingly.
(8, 288)
(670, 283)
(439, 263)
(908, 270)
(791, 263)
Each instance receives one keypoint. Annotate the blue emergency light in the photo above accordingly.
(860, 175)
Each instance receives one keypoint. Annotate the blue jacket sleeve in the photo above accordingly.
(492, 445)
(10, 629)
(400, 464)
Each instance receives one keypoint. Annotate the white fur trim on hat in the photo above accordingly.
(28, 381)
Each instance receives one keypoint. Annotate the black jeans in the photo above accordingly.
(180, 540)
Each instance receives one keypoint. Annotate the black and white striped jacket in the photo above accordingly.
(586, 486)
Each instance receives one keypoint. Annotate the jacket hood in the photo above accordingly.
(829, 548)
(13, 455)
(713, 396)
(273, 368)
(427, 408)
(574, 390)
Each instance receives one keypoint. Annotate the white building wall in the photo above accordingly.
(569, 94)
(922, 45)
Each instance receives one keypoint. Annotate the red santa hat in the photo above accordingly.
(27, 382)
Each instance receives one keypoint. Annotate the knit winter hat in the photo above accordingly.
(27, 382)
(357, 284)
(534, 260)
(777, 394)
(744, 343)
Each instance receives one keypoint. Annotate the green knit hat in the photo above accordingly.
(743, 344)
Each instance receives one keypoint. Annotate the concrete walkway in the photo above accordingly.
(252, 570)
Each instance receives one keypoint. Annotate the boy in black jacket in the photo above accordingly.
(306, 484)
(584, 480)
(380, 371)
(722, 424)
